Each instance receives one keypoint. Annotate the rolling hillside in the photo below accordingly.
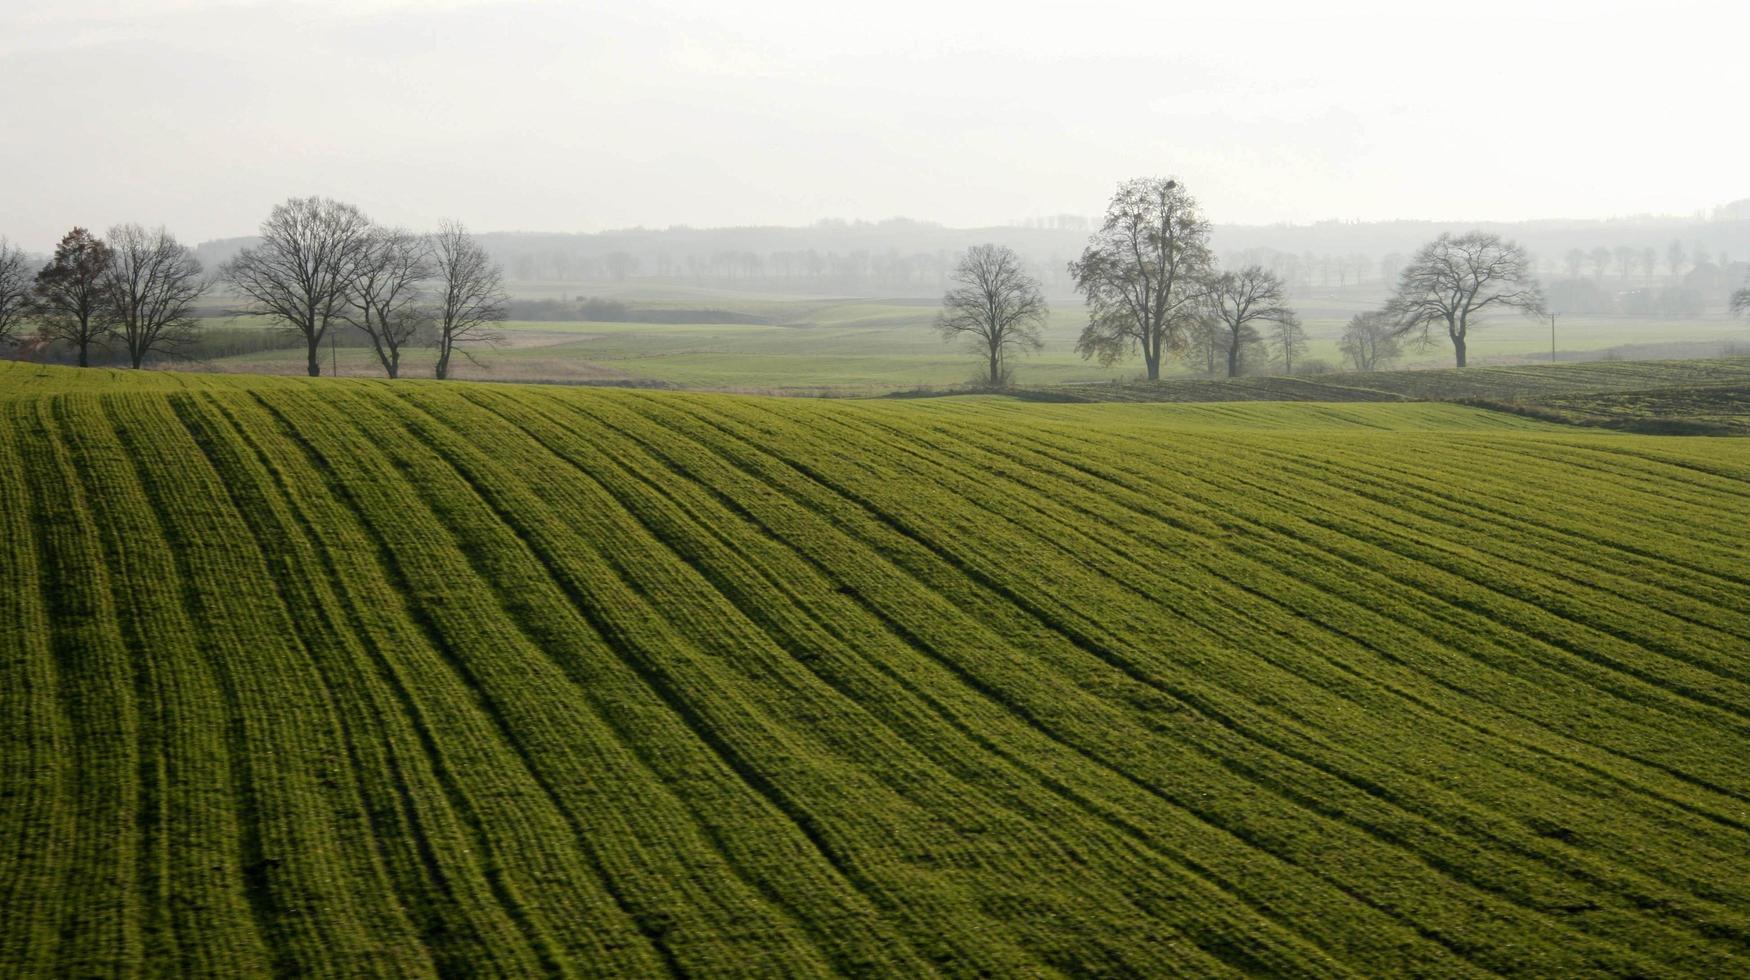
(358, 678)
(1694, 397)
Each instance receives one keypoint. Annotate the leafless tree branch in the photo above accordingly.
(153, 282)
(1239, 302)
(303, 272)
(471, 297)
(1453, 279)
(996, 306)
(15, 289)
(1370, 342)
(385, 302)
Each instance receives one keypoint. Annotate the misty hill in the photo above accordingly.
(902, 257)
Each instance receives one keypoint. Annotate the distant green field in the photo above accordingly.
(1710, 395)
(814, 345)
(359, 679)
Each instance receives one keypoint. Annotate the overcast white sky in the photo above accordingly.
(575, 117)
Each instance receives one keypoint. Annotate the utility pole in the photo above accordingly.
(1552, 338)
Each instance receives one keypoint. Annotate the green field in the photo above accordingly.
(852, 346)
(1710, 397)
(351, 678)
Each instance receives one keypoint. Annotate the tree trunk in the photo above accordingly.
(136, 357)
(996, 376)
(1233, 358)
(315, 360)
(1458, 349)
(84, 356)
(443, 363)
(1152, 360)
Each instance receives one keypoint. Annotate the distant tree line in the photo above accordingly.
(890, 271)
(1629, 280)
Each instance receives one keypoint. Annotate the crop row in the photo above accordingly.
(437, 679)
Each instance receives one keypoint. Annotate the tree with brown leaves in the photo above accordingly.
(71, 298)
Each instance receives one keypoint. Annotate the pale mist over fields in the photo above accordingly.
(573, 117)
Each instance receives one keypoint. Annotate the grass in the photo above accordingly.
(813, 345)
(355, 678)
(1709, 397)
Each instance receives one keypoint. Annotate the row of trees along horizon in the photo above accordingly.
(1677, 276)
(1152, 285)
(1154, 288)
(318, 265)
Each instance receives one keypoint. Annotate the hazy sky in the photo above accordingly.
(574, 117)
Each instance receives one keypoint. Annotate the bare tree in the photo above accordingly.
(1741, 299)
(1650, 261)
(1600, 259)
(1288, 340)
(1626, 258)
(1574, 261)
(70, 299)
(1675, 257)
(1203, 339)
(384, 302)
(302, 273)
(1453, 279)
(1370, 341)
(15, 291)
(995, 306)
(620, 265)
(471, 295)
(1239, 302)
(1361, 264)
(1141, 273)
(153, 282)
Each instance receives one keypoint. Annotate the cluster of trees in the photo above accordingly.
(1153, 287)
(136, 286)
(885, 270)
(1149, 279)
(1304, 270)
(320, 264)
(1626, 261)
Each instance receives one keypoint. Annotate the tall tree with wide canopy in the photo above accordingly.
(1455, 278)
(1241, 301)
(15, 290)
(995, 306)
(302, 273)
(470, 295)
(1141, 273)
(70, 297)
(153, 282)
